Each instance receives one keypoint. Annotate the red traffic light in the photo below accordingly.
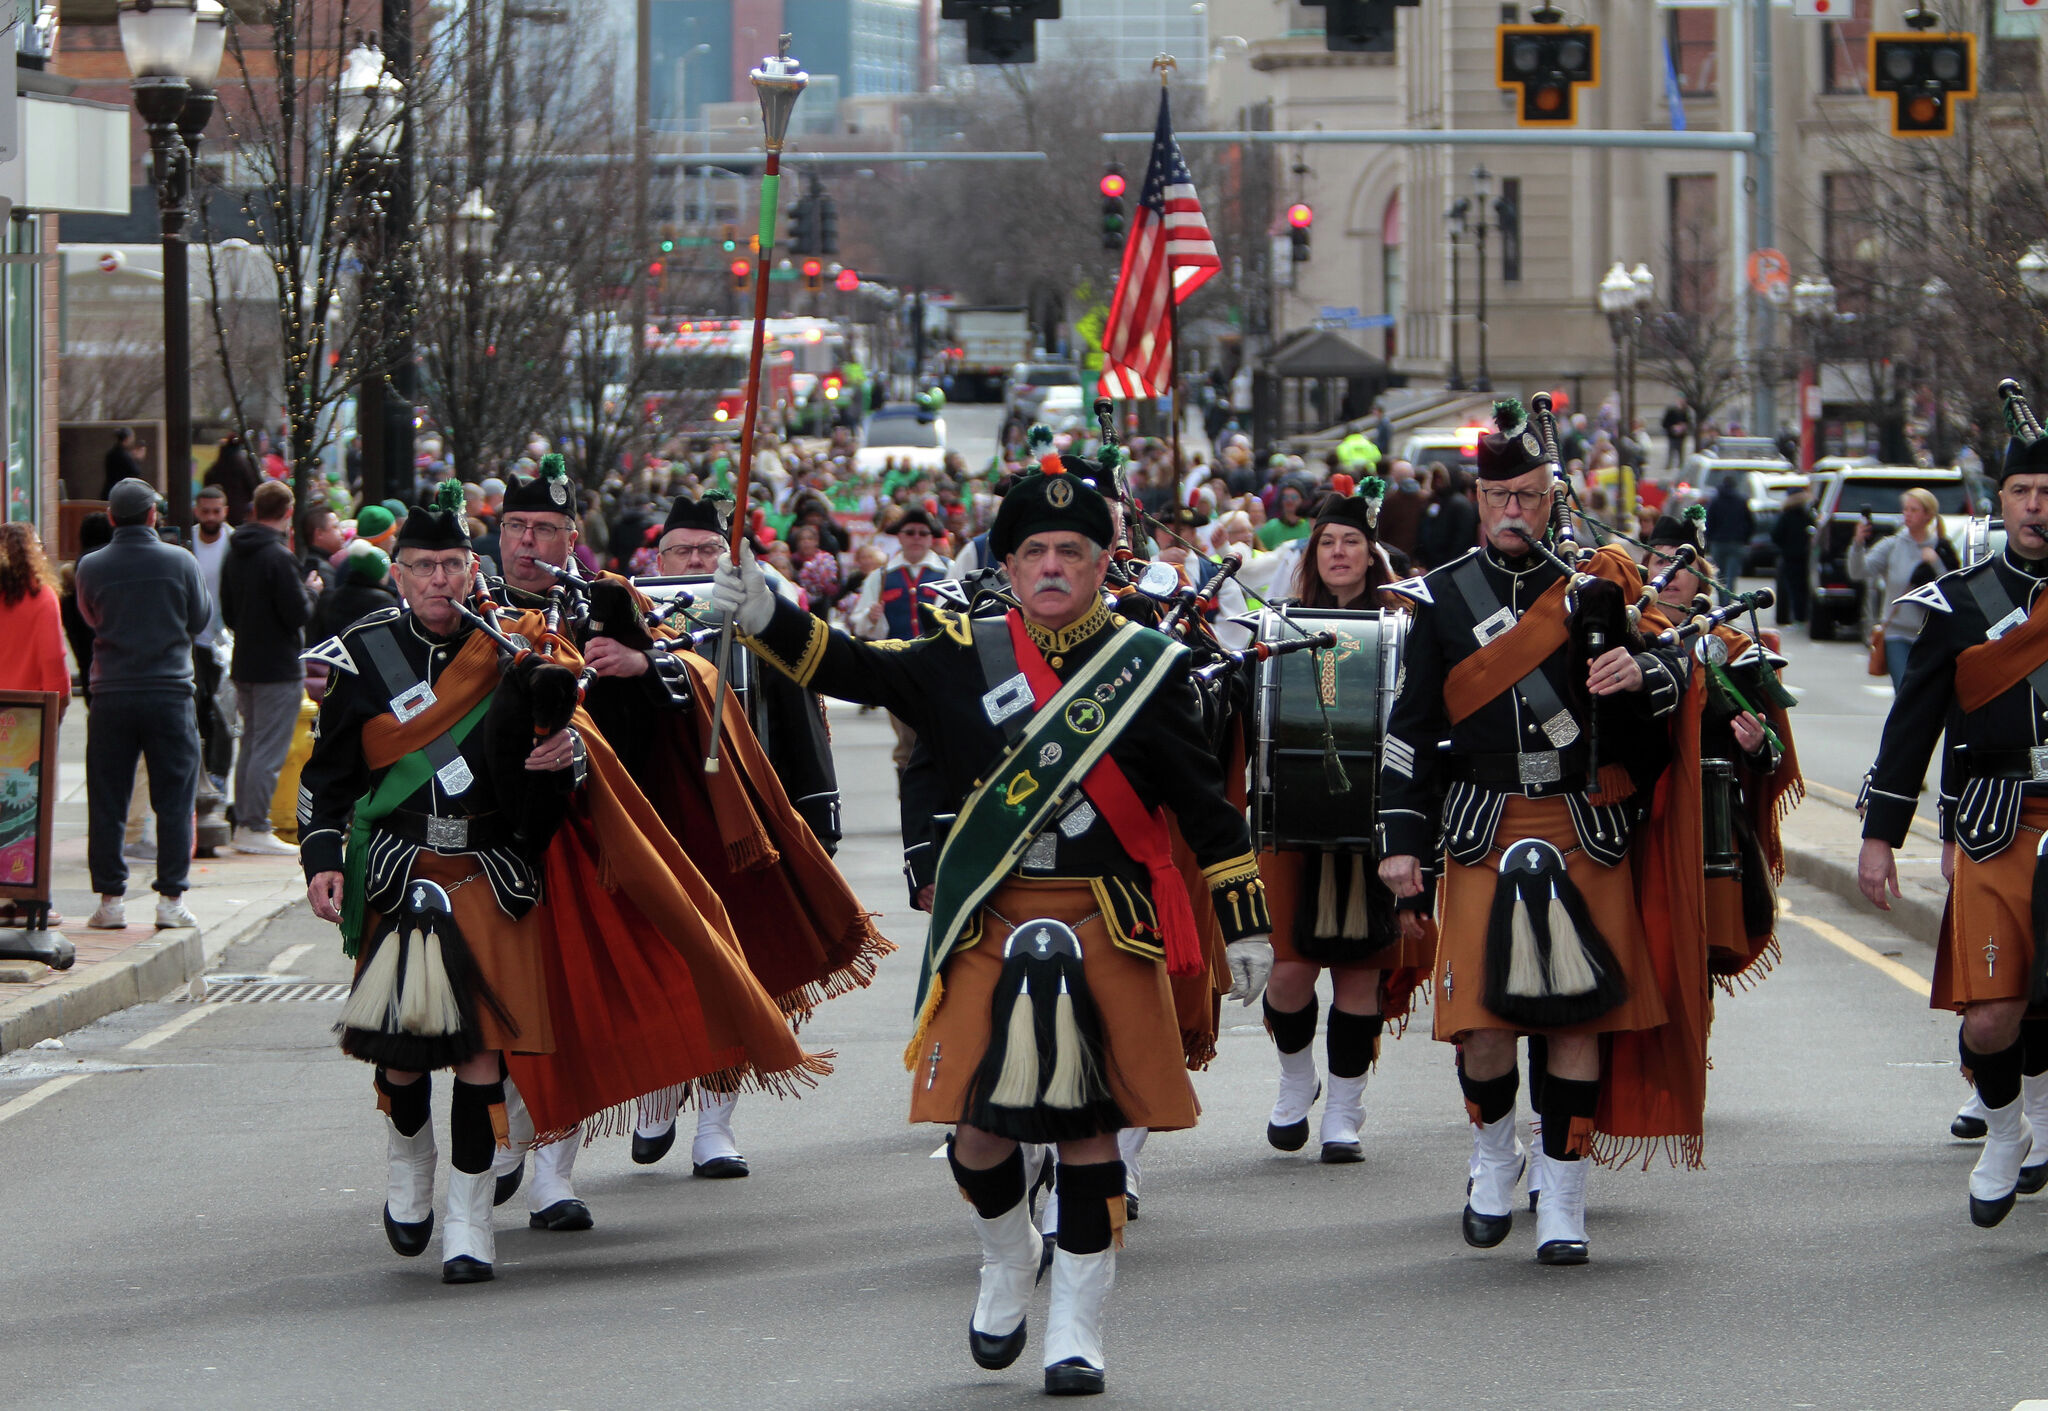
(813, 268)
(654, 269)
(741, 269)
(1300, 216)
(1113, 185)
(847, 282)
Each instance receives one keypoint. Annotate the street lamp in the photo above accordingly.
(473, 223)
(173, 49)
(1482, 200)
(2033, 268)
(1625, 297)
(1813, 308)
(1933, 304)
(366, 125)
(1454, 221)
(369, 131)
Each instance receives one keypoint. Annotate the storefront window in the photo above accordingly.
(20, 308)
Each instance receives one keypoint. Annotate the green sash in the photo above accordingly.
(400, 783)
(1025, 792)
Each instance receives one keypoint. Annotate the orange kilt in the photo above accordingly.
(1465, 907)
(507, 952)
(1141, 1037)
(1282, 872)
(1991, 903)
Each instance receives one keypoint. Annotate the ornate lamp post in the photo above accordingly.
(1454, 227)
(1933, 305)
(174, 49)
(370, 112)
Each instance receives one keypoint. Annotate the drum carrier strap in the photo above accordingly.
(1491, 618)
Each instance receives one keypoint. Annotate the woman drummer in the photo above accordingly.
(1330, 911)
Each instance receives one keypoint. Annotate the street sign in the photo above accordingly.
(1768, 270)
(1824, 9)
(112, 261)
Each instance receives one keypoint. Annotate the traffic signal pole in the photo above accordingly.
(1764, 208)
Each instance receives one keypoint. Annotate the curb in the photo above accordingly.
(1917, 918)
(147, 971)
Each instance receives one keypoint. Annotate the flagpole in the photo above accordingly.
(777, 83)
(1165, 66)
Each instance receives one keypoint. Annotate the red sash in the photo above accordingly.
(1142, 831)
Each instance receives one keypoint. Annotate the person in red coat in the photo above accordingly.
(29, 617)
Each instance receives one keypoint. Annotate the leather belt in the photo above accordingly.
(1554, 771)
(448, 833)
(2029, 764)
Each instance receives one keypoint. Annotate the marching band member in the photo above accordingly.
(1044, 1012)
(1331, 911)
(1976, 673)
(1538, 925)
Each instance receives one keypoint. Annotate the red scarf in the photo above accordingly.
(1142, 831)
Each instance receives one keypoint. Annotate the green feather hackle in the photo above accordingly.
(1695, 514)
(1372, 488)
(1112, 457)
(1038, 438)
(1508, 414)
(553, 467)
(448, 497)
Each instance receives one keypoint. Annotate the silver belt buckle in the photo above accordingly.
(447, 832)
(413, 700)
(1539, 767)
(2037, 757)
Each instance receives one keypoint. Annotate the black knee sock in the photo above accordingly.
(1565, 1099)
(1487, 1100)
(1997, 1075)
(409, 1104)
(2034, 1040)
(1539, 1067)
(1353, 1040)
(1294, 1030)
(470, 1138)
(1085, 1194)
(994, 1191)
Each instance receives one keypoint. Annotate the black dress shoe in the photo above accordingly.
(721, 1168)
(562, 1215)
(1292, 1137)
(1563, 1252)
(508, 1184)
(1986, 1213)
(648, 1150)
(464, 1270)
(1486, 1231)
(1968, 1129)
(408, 1240)
(992, 1352)
(2033, 1178)
(1073, 1377)
(1342, 1153)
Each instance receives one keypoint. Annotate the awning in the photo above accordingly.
(1318, 352)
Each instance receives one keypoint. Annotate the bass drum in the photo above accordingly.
(1310, 703)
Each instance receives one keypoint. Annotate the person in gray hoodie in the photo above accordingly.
(145, 601)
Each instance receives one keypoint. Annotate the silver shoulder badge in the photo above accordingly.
(1413, 588)
(1927, 595)
(333, 654)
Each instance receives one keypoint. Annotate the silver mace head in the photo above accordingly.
(777, 83)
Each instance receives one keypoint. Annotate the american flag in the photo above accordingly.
(1168, 254)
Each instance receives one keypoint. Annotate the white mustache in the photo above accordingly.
(1053, 585)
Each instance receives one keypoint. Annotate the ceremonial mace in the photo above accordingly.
(777, 83)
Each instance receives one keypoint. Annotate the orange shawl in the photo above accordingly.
(1990, 669)
(1541, 630)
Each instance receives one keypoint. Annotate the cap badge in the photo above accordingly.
(1059, 494)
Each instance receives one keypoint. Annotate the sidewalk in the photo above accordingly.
(231, 896)
(1822, 838)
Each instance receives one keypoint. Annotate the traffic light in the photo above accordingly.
(1548, 63)
(846, 281)
(1300, 216)
(1924, 74)
(1001, 31)
(828, 225)
(667, 243)
(1113, 222)
(731, 242)
(814, 275)
(803, 227)
(742, 270)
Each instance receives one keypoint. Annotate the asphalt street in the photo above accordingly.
(196, 1191)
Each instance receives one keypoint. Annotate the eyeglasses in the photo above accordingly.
(539, 530)
(693, 553)
(426, 570)
(1527, 499)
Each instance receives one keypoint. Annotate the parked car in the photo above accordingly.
(1456, 446)
(907, 435)
(1843, 496)
(1029, 383)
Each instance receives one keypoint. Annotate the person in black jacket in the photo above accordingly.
(1793, 534)
(120, 462)
(266, 602)
(362, 585)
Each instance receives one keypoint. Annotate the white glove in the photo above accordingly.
(739, 592)
(1251, 961)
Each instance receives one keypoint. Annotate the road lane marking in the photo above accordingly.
(176, 1026)
(35, 1095)
(288, 957)
(1849, 945)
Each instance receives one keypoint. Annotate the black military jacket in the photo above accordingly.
(1986, 768)
(935, 684)
(337, 774)
(1430, 801)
